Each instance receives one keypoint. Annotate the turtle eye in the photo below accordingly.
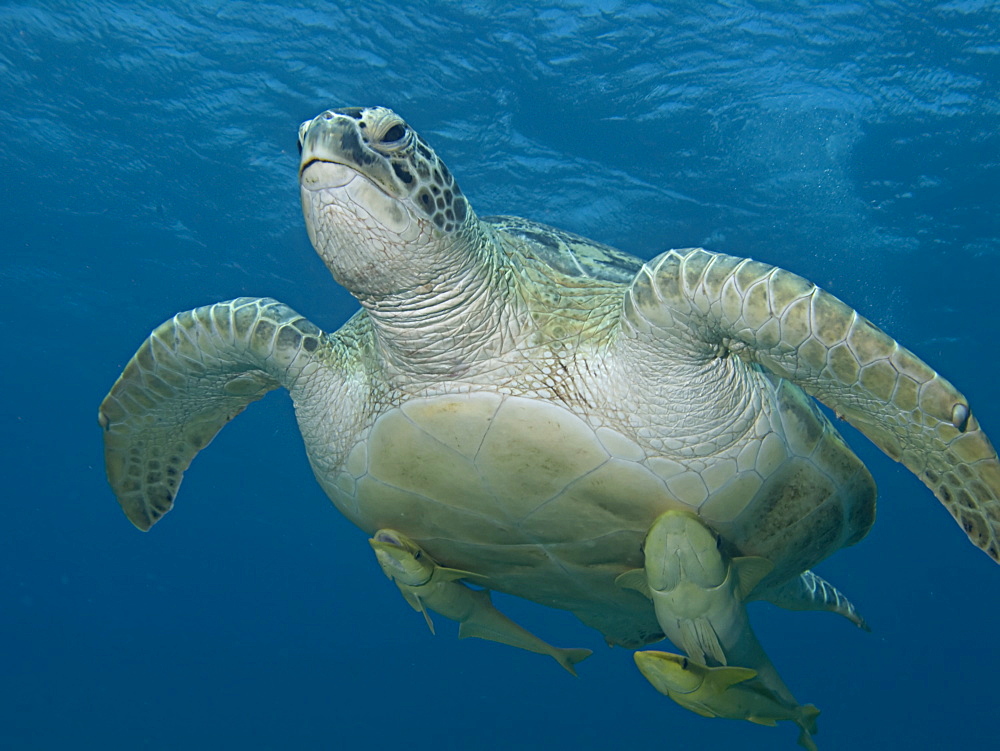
(395, 133)
(684, 663)
(418, 555)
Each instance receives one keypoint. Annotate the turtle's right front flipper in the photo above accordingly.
(192, 375)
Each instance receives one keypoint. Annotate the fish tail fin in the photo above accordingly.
(807, 721)
(569, 657)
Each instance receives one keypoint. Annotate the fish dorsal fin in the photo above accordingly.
(635, 579)
(750, 570)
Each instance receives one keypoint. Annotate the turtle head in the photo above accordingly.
(381, 209)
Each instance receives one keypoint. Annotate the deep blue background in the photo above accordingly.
(147, 165)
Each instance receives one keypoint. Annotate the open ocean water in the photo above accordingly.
(148, 165)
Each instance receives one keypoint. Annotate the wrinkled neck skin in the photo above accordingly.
(454, 324)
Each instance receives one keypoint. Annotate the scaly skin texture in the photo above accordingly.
(794, 329)
(194, 374)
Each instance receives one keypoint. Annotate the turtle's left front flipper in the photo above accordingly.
(194, 374)
(716, 305)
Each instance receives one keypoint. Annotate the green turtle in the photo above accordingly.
(424, 584)
(524, 403)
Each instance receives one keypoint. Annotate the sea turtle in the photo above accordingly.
(523, 403)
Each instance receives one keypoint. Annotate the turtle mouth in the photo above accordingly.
(322, 174)
(325, 182)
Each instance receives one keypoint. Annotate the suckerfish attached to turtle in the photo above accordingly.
(524, 403)
(698, 596)
(425, 585)
(724, 691)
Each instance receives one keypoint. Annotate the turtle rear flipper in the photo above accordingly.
(809, 591)
(194, 374)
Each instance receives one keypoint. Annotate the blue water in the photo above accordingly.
(148, 165)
